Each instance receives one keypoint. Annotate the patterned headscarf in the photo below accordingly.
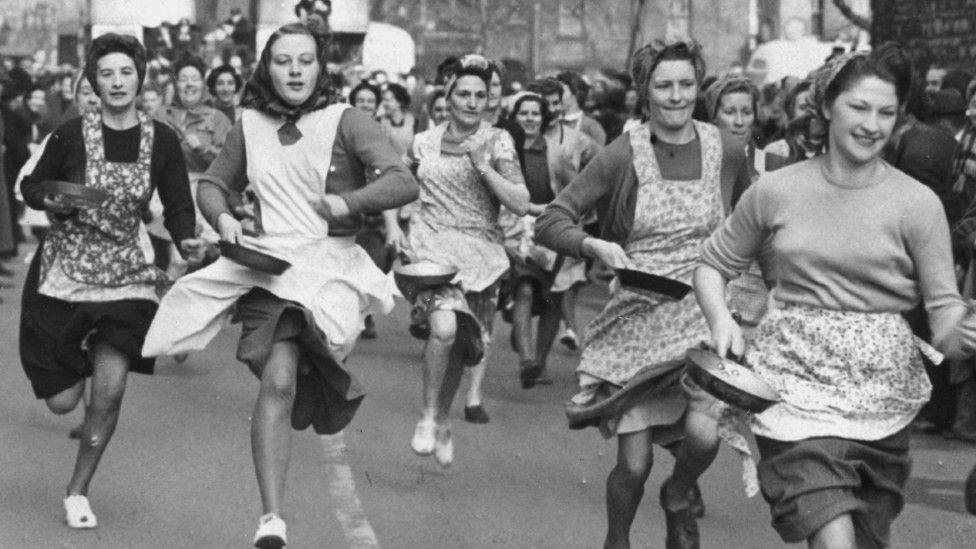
(469, 65)
(813, 125)
(714, 93)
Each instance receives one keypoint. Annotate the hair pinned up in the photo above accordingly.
(647, 58)
(114, 43)
(469, 65)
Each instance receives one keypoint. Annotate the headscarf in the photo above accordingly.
(259, 93)
(469, 65)
(714, 93)
(813, 125)
(647, 58)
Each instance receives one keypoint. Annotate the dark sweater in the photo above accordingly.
(64, 159)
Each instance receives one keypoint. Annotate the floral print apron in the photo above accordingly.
(100, 245)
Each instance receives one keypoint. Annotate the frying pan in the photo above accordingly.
(75, 194)
(637, 280)
(424, 274)
(249, 257)
(730, 381)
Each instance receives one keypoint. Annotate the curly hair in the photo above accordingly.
(543, 108)
(647, 58)
(114, 43)
(469, 65)
(367, 87)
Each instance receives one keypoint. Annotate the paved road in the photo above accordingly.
(179, 473)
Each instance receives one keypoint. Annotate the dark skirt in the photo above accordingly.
(525, 270)
(55, 335)
(327, 396)
(373, 239)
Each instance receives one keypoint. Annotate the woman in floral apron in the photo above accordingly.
(306, 159)
(659, 191)
(90, 293)
(853, 243)
(466, 168)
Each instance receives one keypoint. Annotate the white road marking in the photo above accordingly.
(342, 487)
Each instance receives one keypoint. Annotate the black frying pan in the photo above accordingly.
(249, 257)
(75, 194)
(652, 283)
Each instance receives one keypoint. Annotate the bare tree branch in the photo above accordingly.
(859, 20)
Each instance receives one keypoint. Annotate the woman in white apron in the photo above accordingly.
(91, 292)
(306, 160)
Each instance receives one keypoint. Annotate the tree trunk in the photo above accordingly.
(635, 25)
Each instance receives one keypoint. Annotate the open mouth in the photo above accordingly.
(866, 141)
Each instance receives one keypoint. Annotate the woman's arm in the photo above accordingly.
(49, 166)
(174, 190)
(392, 184)
(497, 163)
(710, 293)
(225, 175)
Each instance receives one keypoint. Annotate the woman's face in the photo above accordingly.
(468, 100)
(861, 119)
(438, 111)
(736, 115)
(294, 68)
(671, 94)
(189, 86)
(800, 105)
(390, 103)
(87, 100)
(971, 109)
(494, 91)
(118, 80)
(37, 102)
(365, 101)
(630, 101)
(529, 116)
(225, 88)
(151, 101)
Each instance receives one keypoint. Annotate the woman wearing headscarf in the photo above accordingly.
(540, 278)
(853, 244)
(658, 192)
(90, 294)
(467, 168)
(305, 158)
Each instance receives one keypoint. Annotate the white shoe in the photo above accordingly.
(444, 446)
(271, 532)
(570, 340)
(78, 512)
(423, 438)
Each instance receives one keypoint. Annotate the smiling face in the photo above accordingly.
(294, 68)
(36, 101)
(118, 81)
(365, 101)
(736, 115)
(671, 94)
(862, 119)
(189, 86)
(529, 116)
(438, 110)
(225, 88)
(468, 100)
(555, 103)
(390, 103)
(86, 99)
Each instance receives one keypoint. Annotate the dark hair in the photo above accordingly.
(189, 61)
(894, 58)
(223, 69)
(577, 86)
(114, 43)
(882, 64)
(543, 108)
(364, 86)
(545, 87)
(469, 65)
(957, 80)
(434, 96)
(400, 93)
(789, 101)
(442, 70)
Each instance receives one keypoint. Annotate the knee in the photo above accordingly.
(278, 385)
(443, 327)
(632, 474)
(60, 405)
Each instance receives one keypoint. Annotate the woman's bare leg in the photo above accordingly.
(441, 377)
(107, 389)
(694, 455)
(836, 534)
(522, 319)
(68, 399)
(271, 423)
(625, 486)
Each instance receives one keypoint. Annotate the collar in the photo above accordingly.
(570, 118)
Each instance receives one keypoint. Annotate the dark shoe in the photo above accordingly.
(529, 373)
(569, 340)
(970, 492)
(475, 414)
(369, 332)
(682, 524)
(544, 378)
(75, 434)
